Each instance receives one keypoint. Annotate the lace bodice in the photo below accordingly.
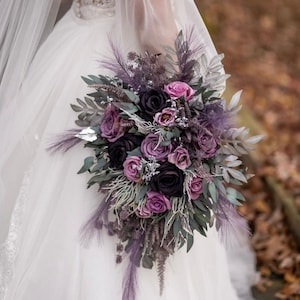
(92, 9)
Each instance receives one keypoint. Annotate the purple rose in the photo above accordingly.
(194, 187)
(151, 102)
(150, 147)
(112, 124)
(132, 166)
(180, 158)
(117, 150)
(168, 181)
(157, 202)
(179, 89)
(207, 145)
(166, 117)
(144, 212)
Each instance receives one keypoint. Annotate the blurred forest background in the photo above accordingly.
(261, 43)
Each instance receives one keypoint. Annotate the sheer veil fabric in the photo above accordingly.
(43, 203)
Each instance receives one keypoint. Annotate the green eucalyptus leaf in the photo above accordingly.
(142, 193)
(87, 80)
(100, 165)
(132, 96)
(213, 191)
(189, 242)
(76, 108)
(135, 152)
(199, 204)
(176, 227)
(88, 162)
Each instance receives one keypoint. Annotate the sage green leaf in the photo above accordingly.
(220, 186)
(99, 166)
(237, 175)
(132, 96)
(189, 242)
(199, 204)
(142, 193)
(76, 108)
(213, 191)
(126, 106)
(87, 80)
(135, 152)
(176, 227)
(88, 162)
(99, 179)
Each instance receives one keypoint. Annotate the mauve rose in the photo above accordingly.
(207, 145)
(194, 189)
(117, 150)
(132, 167)
(180, 158)
(168, 181)
(111, 124)
(166, 117)
(157, 202)
(144, 212)
(177, 89)
(150, 147)
(151, 102)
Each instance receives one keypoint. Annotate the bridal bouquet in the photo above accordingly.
(165, 152)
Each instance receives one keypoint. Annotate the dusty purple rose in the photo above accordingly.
(194, 187)
(168, 181)
(150, 147)
(144, 212)
(166, 117)
(157, 202)
(151, 102)
(132, 166)
(207, 145)
(177, 89)
(180, 158)
(117, 150)
(112, 124)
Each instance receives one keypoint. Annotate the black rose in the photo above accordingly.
(117, 150)
(168, 181)
(151, 102)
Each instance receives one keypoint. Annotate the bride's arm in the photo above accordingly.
(150, 23)
(155, 23)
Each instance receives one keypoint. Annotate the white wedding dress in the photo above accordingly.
(44, 202)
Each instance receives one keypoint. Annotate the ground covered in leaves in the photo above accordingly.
(260, 40)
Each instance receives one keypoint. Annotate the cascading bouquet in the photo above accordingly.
(166, 152)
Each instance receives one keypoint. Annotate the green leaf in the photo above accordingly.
(99, 179)
(213, 191)
(88, 162)
(237, 175)
(126, 106)
(99, 166)
(220, 186)
(87, 80)
(132, 96)
(176, 227)
(76, 108)
(135, 152)
(142, 193)
(199, 204)
(189, 242)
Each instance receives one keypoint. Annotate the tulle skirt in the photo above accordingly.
(44, 202)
